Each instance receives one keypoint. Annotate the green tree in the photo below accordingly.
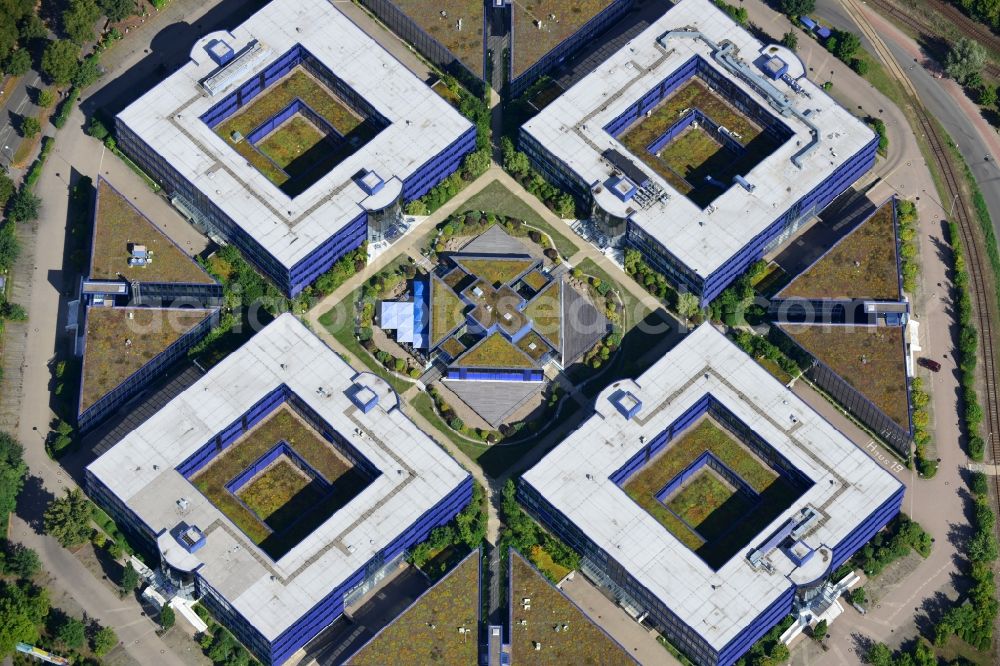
(879, 654)
(966, 58)
(17, 63)
(790, 40)
(117, 10)
(477, 162)
(167, 617)
(986, 95)
(130, 578)
(103, 640)
(45, 98)
(88, 71)
(30, 127)
(12, 473)
(19, 560)
(71, 632)
(846, 46)
(31, 27)
(797, 7)
(24, 206)
(67, 519)
(10, 247)
(59, 61)
(688, 304)
(78, 20)
(819, 631)
(22, 608)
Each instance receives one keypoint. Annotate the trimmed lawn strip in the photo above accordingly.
(494, 352)
(531, 42)
(117, 347)
(582, 642)
(869, 358)
(496, 198)
(118, 224)
(861, 264)
(427, 631)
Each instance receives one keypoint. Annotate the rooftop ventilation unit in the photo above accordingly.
(220, 51)
(363, 397)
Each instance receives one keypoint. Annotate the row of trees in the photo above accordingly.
(467, 530)
(516, 163)
(524, 534)
(652, 280)
(897, 540)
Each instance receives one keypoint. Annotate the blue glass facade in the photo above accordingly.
(497, 375)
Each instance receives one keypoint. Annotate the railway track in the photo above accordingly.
(963, 23)
(976, 263)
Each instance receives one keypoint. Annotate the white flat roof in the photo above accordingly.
(572, 129)
(416, 474)
(422, 124)
(847, 484)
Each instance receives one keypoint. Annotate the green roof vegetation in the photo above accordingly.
(117, 226)
(545, 313)
(494, 352)
(117, 346)
(453, 347)
(495, 271)
(272, 493)
(535, 34)
(861, 265)
(428, 631)
(540, 346)
(279, 493)
(536, 280)
(578, 641)
(869, 358)
(447, 311)
(728, 527)
(440, 20)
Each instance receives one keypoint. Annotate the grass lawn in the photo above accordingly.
(280, 491)
(495, 271)
(428, 631)
(535, 280)
(582, 642)
(344, 334)
(709, 504)
(726, 532)
(494, 352)
(861, 264)
(869, 358)
(545, 312)
(440, 20)
(496, 198)
(117, 346)
(447, 311)
(531, 42)
(775, 370)
(544, 562)
(283, 424)
(288, 143)
(690, 150)
(117, 225)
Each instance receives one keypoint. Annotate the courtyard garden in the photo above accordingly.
(861, 265)
(274, 501)
(548, 628)
(440, 627)
(735, 518)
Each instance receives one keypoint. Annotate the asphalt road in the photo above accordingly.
(15, 107)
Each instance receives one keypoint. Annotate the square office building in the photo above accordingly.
(279, 487)
(700, 146)
(295, 137)
(707, 495)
